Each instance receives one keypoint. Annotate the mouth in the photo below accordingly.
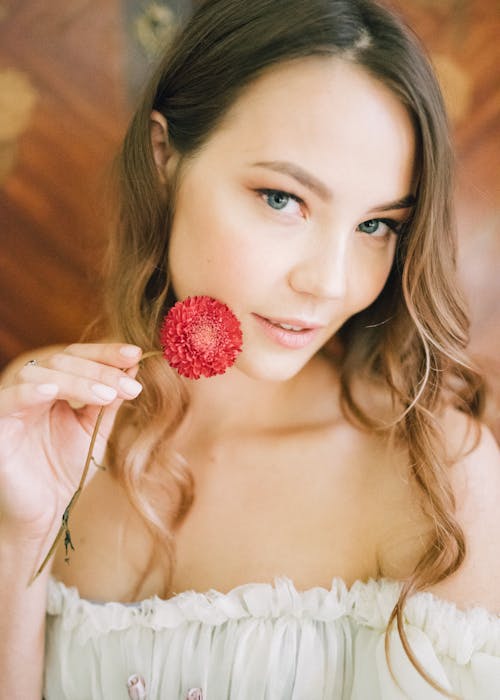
(289, 333)
(293, 324)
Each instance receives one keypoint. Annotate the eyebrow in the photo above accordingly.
(312, 183)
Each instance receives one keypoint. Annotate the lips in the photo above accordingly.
(291, 339)
(295, 323)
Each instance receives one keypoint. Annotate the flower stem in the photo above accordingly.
(64, 529)
(151, 353)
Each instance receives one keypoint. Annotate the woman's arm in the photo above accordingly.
(22, 608)
(48, 410)
(22, 619)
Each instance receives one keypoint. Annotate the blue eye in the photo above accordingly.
(372, 227)
(277, 199)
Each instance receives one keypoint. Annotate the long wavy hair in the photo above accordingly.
(411, 340)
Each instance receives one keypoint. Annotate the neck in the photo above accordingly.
(235, 403)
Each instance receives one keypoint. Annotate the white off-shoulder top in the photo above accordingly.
(267, 642)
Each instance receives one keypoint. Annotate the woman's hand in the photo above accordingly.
(48, 411)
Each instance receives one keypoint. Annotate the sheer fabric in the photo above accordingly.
(268, 642)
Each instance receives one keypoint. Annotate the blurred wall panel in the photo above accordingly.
(61, 117)
(462, 39)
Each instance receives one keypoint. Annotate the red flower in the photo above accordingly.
(200, 336)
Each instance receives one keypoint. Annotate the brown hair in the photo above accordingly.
(412, 338)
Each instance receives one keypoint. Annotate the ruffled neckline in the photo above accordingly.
(453, 632)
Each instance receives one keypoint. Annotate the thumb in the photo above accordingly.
(89, 415)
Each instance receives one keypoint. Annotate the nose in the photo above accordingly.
(322, 268)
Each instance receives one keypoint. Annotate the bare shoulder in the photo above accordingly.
(475, 479)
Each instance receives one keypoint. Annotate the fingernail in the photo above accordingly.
(48, 389)
(130, 386)
(130, 350)
(106, 393)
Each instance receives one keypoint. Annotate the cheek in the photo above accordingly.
(244, 268)
(369, 279)
(214, 255)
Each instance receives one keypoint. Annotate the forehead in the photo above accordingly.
(328, 115)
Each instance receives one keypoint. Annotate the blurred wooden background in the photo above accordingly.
(69, 72)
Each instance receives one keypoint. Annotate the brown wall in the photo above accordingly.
(66, 73)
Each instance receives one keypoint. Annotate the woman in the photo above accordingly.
(315, 521)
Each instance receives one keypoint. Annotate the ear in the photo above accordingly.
(162, 151)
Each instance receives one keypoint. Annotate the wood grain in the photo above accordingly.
(52, 205)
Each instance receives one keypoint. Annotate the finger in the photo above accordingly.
(60, 367)
(117, 355)
(85, 390)
(109, 416)
(18, 398)
(88, 416)
(52, 385)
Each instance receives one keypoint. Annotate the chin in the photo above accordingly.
(270, 369)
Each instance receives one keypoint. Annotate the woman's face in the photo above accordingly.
(283, 214)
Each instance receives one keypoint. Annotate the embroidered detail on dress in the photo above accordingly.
(195, 694)
(136, 687)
